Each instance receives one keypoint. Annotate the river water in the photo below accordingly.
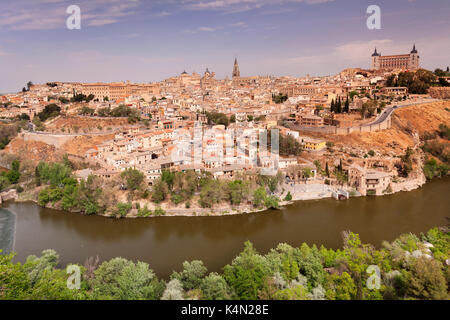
(165, 242)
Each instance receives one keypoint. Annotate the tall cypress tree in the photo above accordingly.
(332, 106)
(347, 106)
(339, 106)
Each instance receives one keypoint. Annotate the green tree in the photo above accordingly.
(86, 111)
(168, 177)
(35, 266)
(238, 191)
(289, 146)
(53, 173)
(14, 281)
(50, 111)
(173, 291)
(280, 98)
(192, 275)
(133, 179)
(247, 273)
(160, 191)
(427, 280)
(125, 280)
(352, 94)
(339, 106)
(4, 183)
(52, 285)
(271, 182)
(217, 118)
(213, 192)
(13, 175)
(271, 202)
(214, 287)
(341, 287)
(294, 293)
(307, 173)
(347, 106)
(259, 197)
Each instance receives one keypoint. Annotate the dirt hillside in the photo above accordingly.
(74, 124)
(33, 150)
(421, 118)
(81, 144)
(426, 118)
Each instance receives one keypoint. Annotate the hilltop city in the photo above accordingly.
(360, 132)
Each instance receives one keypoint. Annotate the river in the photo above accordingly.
(165, 242)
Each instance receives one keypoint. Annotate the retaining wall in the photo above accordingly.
(52, 139)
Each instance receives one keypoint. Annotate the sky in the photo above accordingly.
(151, 40)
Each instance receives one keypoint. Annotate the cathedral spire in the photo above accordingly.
(236, 72)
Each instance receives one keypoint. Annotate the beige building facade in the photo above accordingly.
(409, 61)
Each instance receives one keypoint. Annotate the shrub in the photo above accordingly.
(43, 198)
(271, 202)
(288, 197)
(122, 209)
(159, 212)
(176, 198)
(91, 208)
(144, 212)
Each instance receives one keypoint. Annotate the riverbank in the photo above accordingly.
(168, 209)
(165, 243)
(299, 192)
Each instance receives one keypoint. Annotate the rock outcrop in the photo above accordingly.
(8, 195)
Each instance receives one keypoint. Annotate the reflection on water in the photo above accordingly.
(7, 227)
(166, 242)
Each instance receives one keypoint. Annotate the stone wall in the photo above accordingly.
(386, 124)
(409, 185)
(57, 140)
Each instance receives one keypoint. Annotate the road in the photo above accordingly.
(388, 112)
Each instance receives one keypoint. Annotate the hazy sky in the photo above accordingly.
(151, 40)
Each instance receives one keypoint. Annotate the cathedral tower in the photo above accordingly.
(236, 72)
